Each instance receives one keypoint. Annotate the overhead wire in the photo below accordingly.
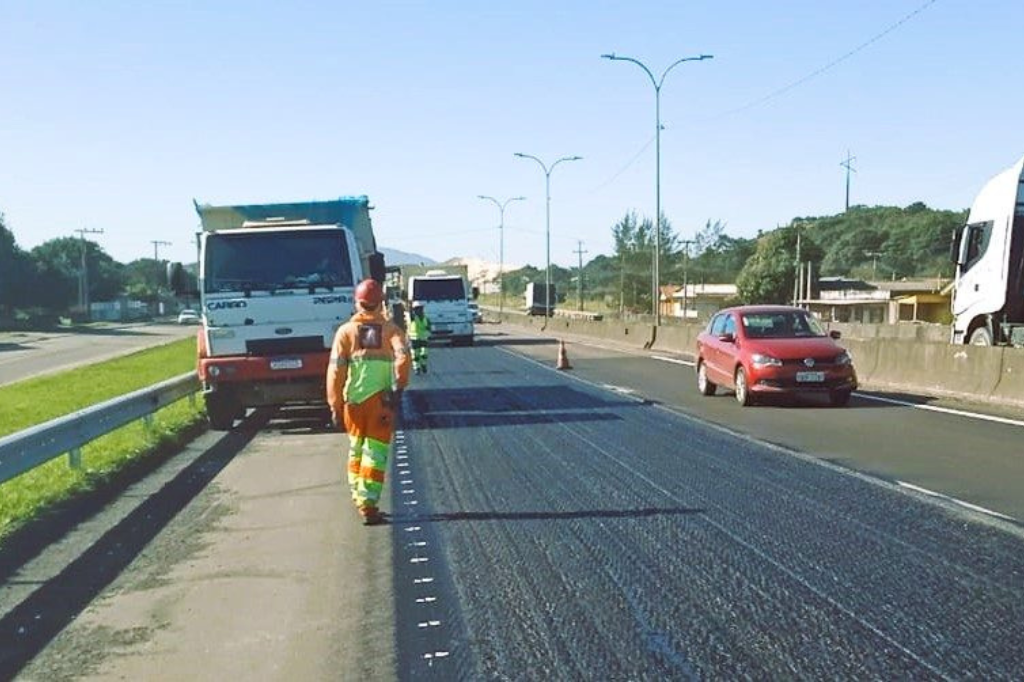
(827, 67)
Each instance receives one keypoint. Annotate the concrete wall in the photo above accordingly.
(915, 359)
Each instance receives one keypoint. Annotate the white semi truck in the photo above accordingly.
(988, 292)
(275, 282)
(445, 294)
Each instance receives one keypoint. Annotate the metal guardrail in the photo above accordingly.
(25, 450)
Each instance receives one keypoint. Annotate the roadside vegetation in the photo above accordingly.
(35, 401)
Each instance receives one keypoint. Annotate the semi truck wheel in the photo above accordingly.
(981, 337)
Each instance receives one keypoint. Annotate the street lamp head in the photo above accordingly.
(520, 154)
(608, 56)
(707, 56)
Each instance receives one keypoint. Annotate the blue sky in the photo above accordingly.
(115, 115)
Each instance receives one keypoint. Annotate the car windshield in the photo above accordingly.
(780, 325)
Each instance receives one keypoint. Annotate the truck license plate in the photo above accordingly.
(286, 363)
(810, 377)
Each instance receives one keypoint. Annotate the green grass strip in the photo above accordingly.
(35, 401)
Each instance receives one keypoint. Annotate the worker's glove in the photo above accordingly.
(392, 399)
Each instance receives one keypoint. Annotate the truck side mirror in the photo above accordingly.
(377, 269)
(476, 293)
(954, 245)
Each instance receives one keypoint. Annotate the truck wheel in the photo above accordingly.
(221, 410)
(981, 337)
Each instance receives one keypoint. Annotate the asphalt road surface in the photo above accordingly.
(606, 523)
(27, 354)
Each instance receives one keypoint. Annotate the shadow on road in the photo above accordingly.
(505, 406)
(32, 625)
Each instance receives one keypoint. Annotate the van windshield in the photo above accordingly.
(300, 259)
(438, 290)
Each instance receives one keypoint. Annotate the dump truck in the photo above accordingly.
(988, 252)
(275, 283)
(536, 302)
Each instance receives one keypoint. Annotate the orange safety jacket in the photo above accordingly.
(369, 355)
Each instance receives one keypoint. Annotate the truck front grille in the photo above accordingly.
(297, 344)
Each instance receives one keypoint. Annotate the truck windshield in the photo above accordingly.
(301, 259)
(438, 290)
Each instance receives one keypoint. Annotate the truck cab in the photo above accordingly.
(988, 292)
(445, 297)
(275, 283)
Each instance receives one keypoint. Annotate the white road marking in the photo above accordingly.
(417, 544)
(954, 500)
(410, 491)
(411, 529)
(619, 389)
(411, 503)
(406, 481)
(428, 624)
(943, 410)
(675, 361)
(419, 560)
(426, 600)
(421, 581)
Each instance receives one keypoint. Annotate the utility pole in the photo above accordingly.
(579, 274)
(83, 280)
(156, 248)
(797, 269)
(873, 255)
(847, 165)
(686, 261)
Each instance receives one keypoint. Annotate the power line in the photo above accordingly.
(626, 167)
(827, 67)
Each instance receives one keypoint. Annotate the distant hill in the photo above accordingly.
(396, 257)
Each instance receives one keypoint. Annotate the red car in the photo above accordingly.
(767, 350)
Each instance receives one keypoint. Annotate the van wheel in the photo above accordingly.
(221, 410)
(704, 385)
(743, 396)
(981, 337)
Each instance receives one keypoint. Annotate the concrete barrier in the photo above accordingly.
(1010, 388)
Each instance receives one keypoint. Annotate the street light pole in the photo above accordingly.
(657, 83)
(547, 222)
(501, 247)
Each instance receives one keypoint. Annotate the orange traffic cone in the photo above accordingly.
(563, 359)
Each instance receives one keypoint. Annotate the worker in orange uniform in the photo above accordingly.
(368, 370)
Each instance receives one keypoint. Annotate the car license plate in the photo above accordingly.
(810, 377)
(286, 363)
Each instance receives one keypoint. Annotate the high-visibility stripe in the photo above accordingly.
(372, 474)
(339, 362)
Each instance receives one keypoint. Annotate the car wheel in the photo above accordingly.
(743, 396)
(221, 411)
(981, 337)
(704, 385)
(839, 398)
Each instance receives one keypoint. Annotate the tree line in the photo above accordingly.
(870, 243)
(48, 278)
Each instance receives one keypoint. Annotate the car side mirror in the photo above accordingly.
(834, 333)
(727, 337)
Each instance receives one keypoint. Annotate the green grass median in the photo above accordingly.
(35, 401)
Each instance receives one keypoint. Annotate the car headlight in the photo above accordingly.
(762, 360)
(844, 358)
